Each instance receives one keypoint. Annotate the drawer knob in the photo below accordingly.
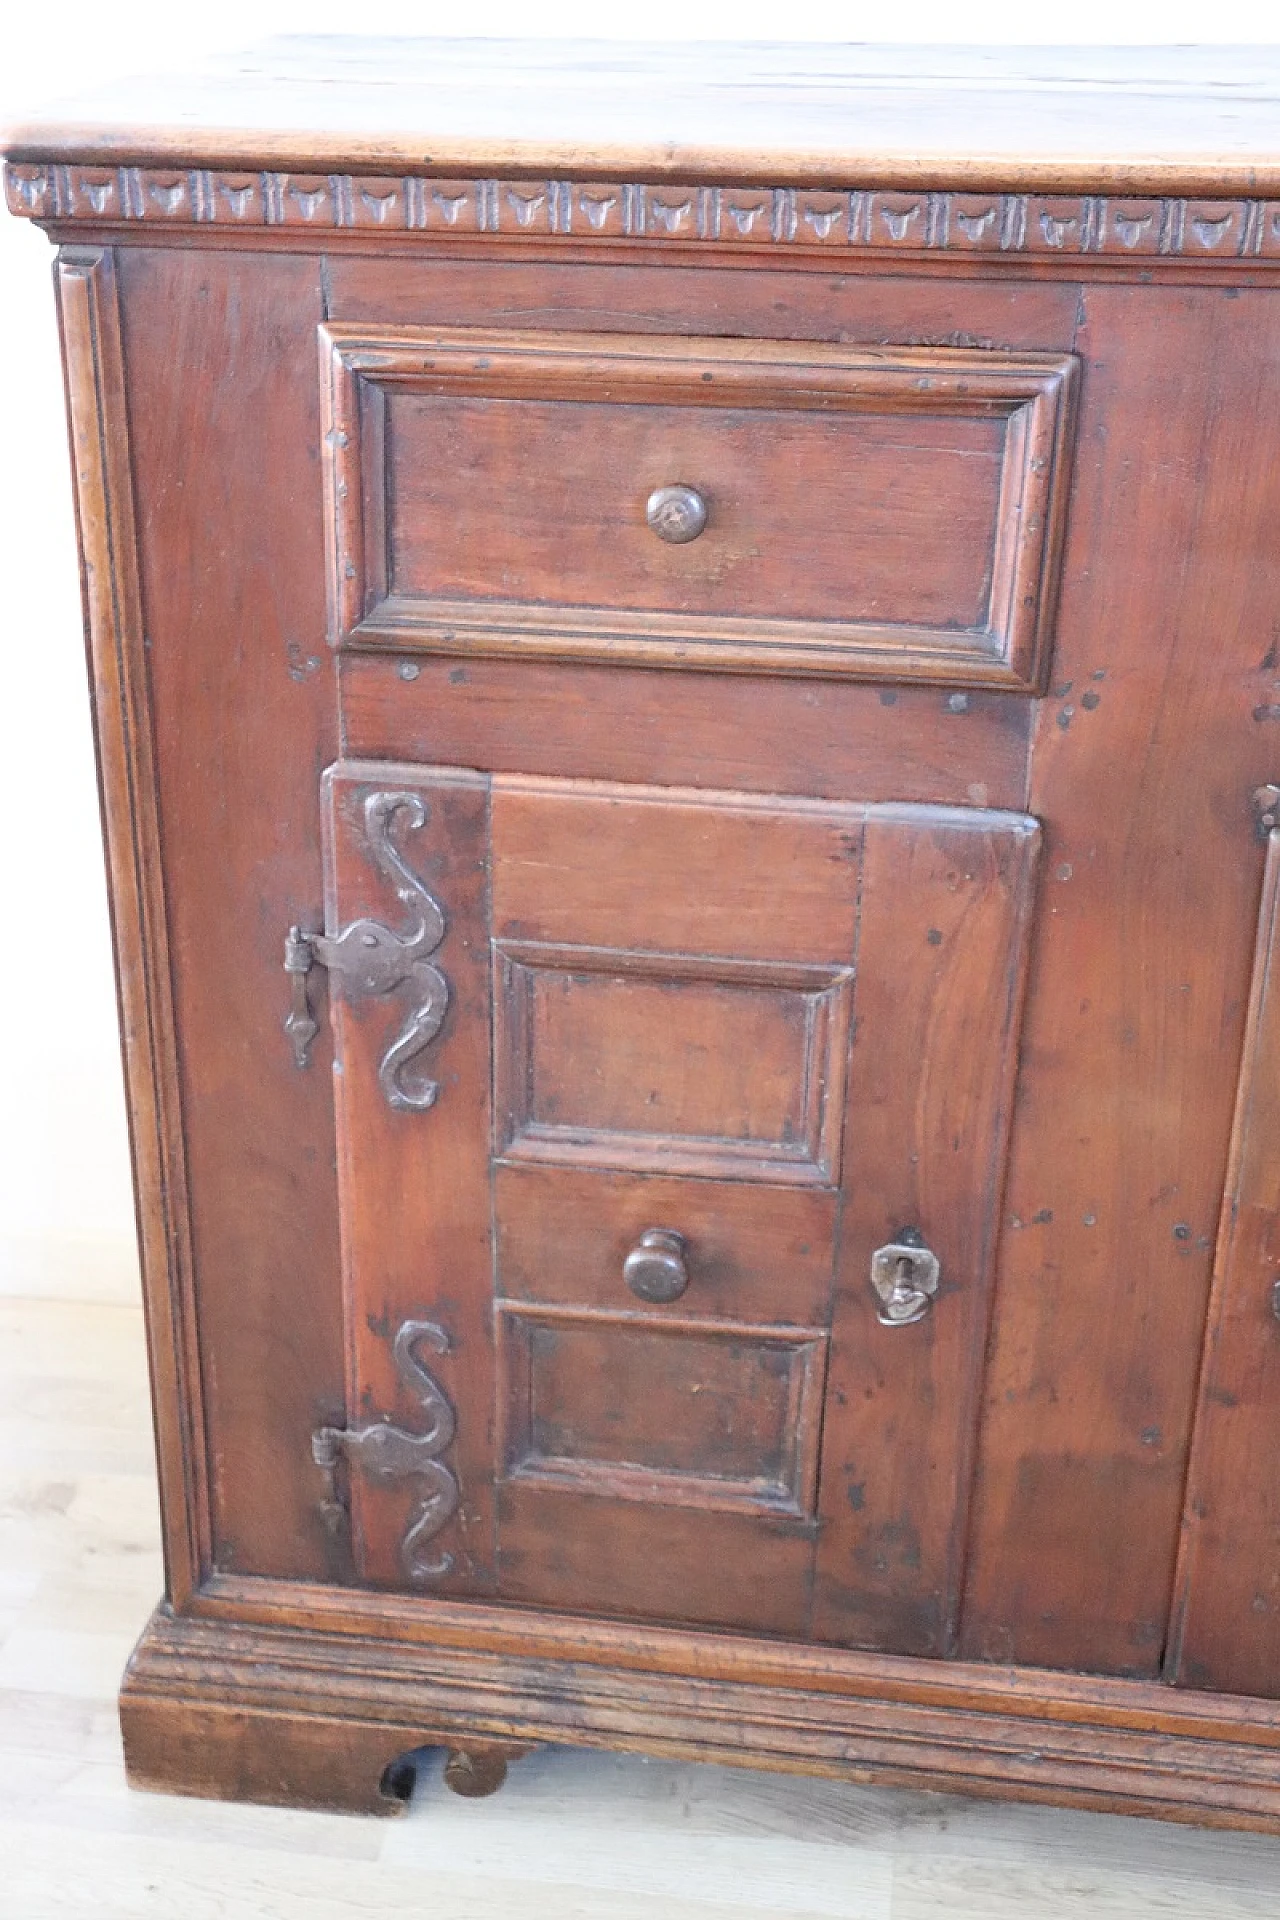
(676, 514)
(655, 1267)
(904, 1277)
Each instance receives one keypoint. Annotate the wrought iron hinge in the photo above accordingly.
(368, 958)
(385, 1452)
(300, 1024)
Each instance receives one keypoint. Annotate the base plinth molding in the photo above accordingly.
(292, 1715)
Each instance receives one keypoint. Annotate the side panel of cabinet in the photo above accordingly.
(224, 425)
(1227, 1617)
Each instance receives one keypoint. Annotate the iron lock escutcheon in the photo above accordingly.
(904, 1278)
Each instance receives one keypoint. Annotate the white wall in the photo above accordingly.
(65, 1208)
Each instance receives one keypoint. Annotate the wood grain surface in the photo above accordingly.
(1139, 988)
(1192, 119)
(223, 582)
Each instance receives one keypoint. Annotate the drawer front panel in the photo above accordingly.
(754, 1251)
(635, 1296)
(857, 518)
(854, 511)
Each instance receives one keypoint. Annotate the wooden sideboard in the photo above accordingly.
(686, 656)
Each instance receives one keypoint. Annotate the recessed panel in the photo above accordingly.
(665, 1410)
(670, 1062)
(809, 518)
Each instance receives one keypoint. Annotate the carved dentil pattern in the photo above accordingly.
(849, 220)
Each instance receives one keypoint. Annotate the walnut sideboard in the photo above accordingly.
(686, 655)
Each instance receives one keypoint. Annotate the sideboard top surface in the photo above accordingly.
(1189, 119)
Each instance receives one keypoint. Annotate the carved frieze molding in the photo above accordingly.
(787, 217)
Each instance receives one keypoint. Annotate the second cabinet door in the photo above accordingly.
(672, 1132)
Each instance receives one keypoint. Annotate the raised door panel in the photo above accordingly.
(692, 1062)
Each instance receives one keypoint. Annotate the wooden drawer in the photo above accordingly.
(767, 505)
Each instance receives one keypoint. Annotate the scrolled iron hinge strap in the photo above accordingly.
(367, 959)
(384, 1452)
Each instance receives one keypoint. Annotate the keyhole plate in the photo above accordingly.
(904, 1276)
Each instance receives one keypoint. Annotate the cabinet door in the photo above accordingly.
(647, 1080)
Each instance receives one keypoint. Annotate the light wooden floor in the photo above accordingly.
(571, 1836)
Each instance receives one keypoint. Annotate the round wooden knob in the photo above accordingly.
(655, 1267)
(676, 514)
